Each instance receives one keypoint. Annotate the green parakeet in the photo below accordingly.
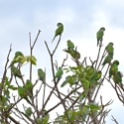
(22, 93)
(117, 77)
(96, 76)
(18, 53)
(109, 48)
(75, 54)
(17, 58)
(15, 71)
(41, 75)
(28, 111)
(70, 80)
(28, 86)
(99, 35)
(59, 30)
(85, 83)
(70, 45)
(114, 68)
(107, 59)
(59, 73)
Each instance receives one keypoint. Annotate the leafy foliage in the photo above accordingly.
(82, 80)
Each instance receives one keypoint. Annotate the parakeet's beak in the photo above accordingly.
(103, 29)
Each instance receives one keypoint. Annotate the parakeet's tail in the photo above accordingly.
(97, 42)
(53, 39)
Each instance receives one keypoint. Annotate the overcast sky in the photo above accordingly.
(81, 19)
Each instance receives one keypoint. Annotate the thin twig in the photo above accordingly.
(31, 50)
(114, 120)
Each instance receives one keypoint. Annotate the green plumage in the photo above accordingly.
(15, 71)
(110, 49)
(28, 86)
(22, 93)
(99, 35)
(28, 111)
(17, 58)
(107, 60)
(41, 74)
(114, 68)
(70, 45)
(59, 30)
(18, 53)
(59, 73)
(96, 76)
(75, 54)
(117, 77)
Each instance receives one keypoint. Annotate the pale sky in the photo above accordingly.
(81, 19)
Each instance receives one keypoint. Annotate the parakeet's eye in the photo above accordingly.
(58, 24)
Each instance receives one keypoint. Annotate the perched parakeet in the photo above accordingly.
(28, 86)
(85, 83)
(109, 48)
(59, 30)
(114, 68)
(75, 54)
(70, 45)
(99, 35)
(18, 53)
(96, 76)
(28, 111)
(22, 93)
(59, 73)
(70, 80)
(15, 71)
(41, 74)
(17, 58)
(107, 59)
(117, 77)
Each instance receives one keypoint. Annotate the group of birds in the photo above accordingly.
(109, 49)
(24, 91)
(110, 52)
(113, 71)
(41, 74)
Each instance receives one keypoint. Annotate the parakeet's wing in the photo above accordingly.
(58, 31)
(41, 74)
(16, 72)
(59, 73)
(22, 93)
(70, 44)
(28, 86)
(99, 36)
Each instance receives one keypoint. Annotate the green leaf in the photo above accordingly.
(31, 59)
(93, 106)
